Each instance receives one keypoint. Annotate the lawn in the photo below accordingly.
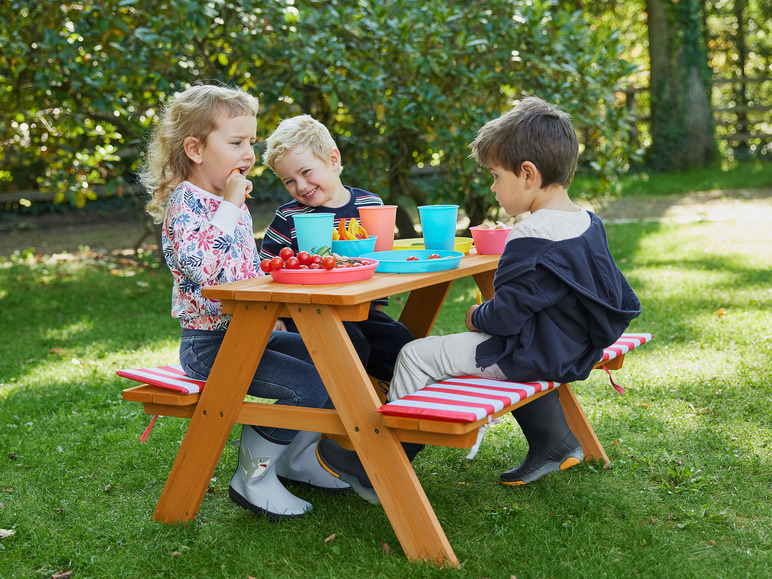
(690, 440)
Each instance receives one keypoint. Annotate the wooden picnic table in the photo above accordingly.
(318, 311)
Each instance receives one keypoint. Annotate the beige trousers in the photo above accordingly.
(436, 358)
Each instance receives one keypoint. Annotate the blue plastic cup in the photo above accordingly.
(314, 231)
(438, 223)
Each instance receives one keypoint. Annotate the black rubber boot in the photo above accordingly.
(551, 444)
(345, 464)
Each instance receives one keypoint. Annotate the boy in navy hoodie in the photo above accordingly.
(559, 297)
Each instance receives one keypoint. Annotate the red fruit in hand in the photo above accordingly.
(265, 266)
(286, 253)
(277, 263)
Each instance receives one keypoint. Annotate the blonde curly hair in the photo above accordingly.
(191, 113)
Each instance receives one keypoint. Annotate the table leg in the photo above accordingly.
(485, 283)
(403, 499)
(422, 308)
(216, 412)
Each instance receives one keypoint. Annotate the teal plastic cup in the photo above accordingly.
(314, 231)
(438, 223)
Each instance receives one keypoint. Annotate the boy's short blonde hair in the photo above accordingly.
(300, 133)
(532, 131)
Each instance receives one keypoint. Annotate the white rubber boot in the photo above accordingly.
(254, 485)
(299, 465)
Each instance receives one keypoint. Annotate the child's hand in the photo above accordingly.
(279, 326)
(469, 325)
(237, 188)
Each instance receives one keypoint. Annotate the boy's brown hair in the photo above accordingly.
(532, 131)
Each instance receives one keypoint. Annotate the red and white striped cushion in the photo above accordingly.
(171, 377)
(471, 398)
(463, 399)
(623, 345)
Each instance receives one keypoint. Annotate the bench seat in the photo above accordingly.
(468, 399)
(450, 413)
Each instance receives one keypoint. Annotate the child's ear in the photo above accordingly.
(531, 174)
(335, 158)
(193, 149)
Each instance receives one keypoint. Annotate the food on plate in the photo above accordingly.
(303, 260)
(499, 225)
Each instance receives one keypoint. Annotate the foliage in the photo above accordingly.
(403, 85)
(688, 494)
(740, 48)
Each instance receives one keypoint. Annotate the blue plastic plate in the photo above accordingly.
(396, 261)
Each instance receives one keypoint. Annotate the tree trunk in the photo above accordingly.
(681, 121)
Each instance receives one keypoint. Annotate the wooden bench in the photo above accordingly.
(450, 413)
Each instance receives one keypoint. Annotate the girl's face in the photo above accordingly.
(310, 180)
(229, 146)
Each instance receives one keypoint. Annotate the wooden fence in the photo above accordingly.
(738, 123)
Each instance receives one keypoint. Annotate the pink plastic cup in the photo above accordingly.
(489, 241)
(379, 220)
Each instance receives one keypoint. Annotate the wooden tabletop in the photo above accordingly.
(379, 286)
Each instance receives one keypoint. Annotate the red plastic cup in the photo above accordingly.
(380, 220)
(490, 241)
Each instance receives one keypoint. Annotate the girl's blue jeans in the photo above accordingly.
(285, 373)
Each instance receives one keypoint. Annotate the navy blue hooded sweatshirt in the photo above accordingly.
(557, 305)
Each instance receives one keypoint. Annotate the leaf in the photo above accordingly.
(385, 546)
(720, 312)
(331, 538)
(5, 533)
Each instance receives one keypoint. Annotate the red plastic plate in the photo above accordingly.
(325, 276)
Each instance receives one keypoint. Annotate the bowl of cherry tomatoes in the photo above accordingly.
(308, 268)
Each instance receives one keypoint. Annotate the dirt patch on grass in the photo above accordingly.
(126, 230)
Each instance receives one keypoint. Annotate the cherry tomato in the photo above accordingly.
(292, 263)
(303, 266)
(286, 253)
(314, 265)
(434, 256)
(304, 257)
(265, 265)
(412, 258)
(277, 263)
(317, 259)
(328, 262)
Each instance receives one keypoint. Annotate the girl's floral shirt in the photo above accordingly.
(206, 241)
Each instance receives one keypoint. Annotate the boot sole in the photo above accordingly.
(236, 497)
(307, 485)
(572, 459)
(366, 493)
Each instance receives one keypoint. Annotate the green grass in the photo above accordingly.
(690, 440)
(723, 175)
